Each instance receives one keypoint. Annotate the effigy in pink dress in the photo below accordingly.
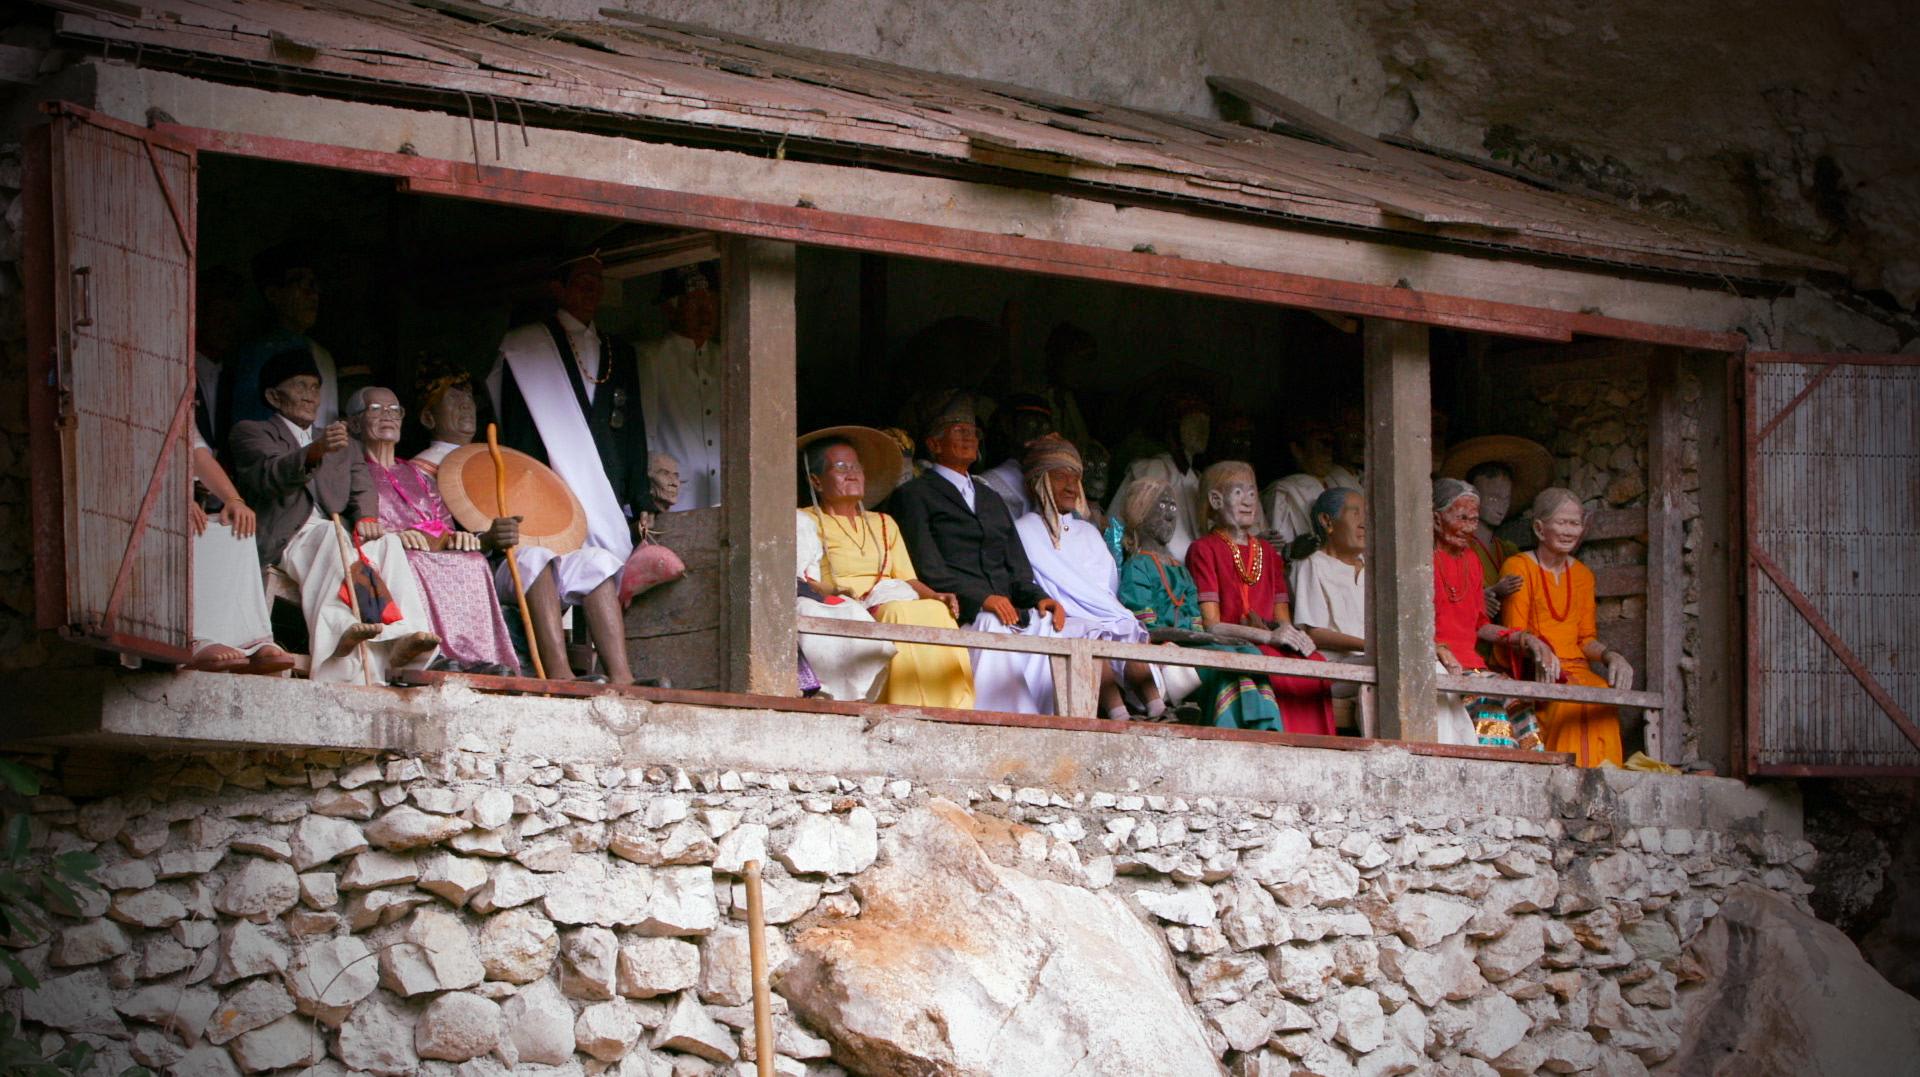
(458, 584)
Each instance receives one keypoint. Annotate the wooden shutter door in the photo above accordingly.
(1833, 564)
(114, 385)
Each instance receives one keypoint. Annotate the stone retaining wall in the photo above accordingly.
(474, 913)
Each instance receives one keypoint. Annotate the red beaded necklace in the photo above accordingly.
(1546, 589)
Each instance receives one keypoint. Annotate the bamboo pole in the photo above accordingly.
(757, 952)
(513, 564)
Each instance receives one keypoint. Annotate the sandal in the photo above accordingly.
(270, 661)
(217, 658)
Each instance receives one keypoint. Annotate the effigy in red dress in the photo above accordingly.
(1248, 580)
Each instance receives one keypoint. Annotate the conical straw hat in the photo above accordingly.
(551, 516)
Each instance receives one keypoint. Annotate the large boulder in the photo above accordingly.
(1786, 995)
(960, 967)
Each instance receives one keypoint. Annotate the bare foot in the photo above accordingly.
(270, 661)
(410, 647)
(217, 658)
(354, 636)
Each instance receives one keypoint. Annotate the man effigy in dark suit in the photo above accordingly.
(298, 479)
(962, 540)
(568, 395)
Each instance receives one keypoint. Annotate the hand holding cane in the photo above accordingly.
(513, 564)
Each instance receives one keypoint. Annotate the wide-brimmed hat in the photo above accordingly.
(550, 514)
(879, 457)
(1530, 462)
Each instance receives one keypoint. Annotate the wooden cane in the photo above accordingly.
(513, 565)
(346, 577)
(757, 963)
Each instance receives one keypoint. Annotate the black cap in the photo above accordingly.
(290, 363)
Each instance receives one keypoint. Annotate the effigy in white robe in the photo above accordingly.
(1081, 575)
(229, 600)
(852, 670)
(313, 559)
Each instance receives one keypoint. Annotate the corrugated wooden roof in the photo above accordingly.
(714, 85)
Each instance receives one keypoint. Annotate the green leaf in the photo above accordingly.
(76, 866)
(19, 779)
(19, 833)
(136, 1071)
(59, 898)
(21, 976)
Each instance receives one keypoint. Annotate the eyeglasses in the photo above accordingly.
(843, 467)
(394, 410)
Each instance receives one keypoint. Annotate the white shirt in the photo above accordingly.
(1010, 482)
(303, 435)
(680, 397)
(962, 483)
(434, 454)
(585, 342)
(1329, 593)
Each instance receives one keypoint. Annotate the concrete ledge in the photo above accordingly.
(186, 711)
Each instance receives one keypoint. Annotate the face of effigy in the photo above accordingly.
(1455, 524)
(580, 293)
(1349, 531)
(1065, 482)
(1195, 429)
(841, 480)
(380, 423)
(1093, 480)
(663, 477)
(452, 417)
(1496, 497)
(297, 398)
(956, 446)
(1561, 531)
(1160, 522)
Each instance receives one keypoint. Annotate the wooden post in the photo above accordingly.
(1666, 575)
(1400, 526)
(756, 470)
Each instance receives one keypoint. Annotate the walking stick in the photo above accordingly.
(757, 964)
(513, 565)
(346, 576)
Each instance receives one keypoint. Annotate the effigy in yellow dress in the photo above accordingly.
(862, 556)
(1562, 612)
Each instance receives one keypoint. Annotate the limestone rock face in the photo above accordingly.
(959, 966)
(1786, 994)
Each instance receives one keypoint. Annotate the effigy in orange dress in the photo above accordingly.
(1562, 612)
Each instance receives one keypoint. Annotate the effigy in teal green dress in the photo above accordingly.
(1160, 591)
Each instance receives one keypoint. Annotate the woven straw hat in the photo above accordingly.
(879, 457)
(551, 515)
(1530, 462)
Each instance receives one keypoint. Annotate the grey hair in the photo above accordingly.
(1329, 505)
(1447, 491)
(1548, 501)
(357, 402)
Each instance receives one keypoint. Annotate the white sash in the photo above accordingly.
(530, 353)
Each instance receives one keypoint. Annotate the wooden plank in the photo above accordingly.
(1500, 687)
(1608, 524)
(1619, 581)
(756, 468)
(1066, 648)
(1666, 569)
(695, 600)
(1400, 526)
(1295, 114)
